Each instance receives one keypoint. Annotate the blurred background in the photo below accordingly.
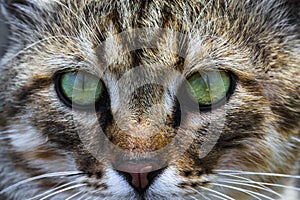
(3, 35)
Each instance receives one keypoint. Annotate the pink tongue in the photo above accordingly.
(138, 172)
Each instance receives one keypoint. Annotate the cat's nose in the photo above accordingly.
(140, 175)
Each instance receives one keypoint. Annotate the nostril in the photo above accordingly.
(139, 175)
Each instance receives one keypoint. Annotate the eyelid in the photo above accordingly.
(76, 69)
(204, 73)
(203, 70)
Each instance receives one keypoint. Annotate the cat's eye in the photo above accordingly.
(79, 89)
(210, 88)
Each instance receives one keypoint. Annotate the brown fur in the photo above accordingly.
(126, 44)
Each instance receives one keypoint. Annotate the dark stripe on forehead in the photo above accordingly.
(144, 6)
(116, 19)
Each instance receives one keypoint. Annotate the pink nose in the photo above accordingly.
(140, 175)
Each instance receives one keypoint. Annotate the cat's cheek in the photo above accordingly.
(117, 184)
(26, 138)
(110, 185)
(34, 148)
(272, 153)
(167, 185)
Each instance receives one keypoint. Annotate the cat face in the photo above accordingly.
(148, 100)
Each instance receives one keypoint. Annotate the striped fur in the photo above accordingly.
(143, 51)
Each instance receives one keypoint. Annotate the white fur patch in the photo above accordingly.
(25, 137)
(117, 186)
(46, 4)
(165, 185)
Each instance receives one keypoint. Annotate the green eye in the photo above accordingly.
(210, 88)
(81, 89)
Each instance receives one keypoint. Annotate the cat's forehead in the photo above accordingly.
(185, 36)
(124, 34)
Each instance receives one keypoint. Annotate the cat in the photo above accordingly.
(150, 100)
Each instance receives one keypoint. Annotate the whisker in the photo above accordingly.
(216, 192)
(282, 186)
(258, 173)
(7, 131)
(198, 193)
(55, 174)
(249, 185)
(249, 192)
(276, 185)
(52, 190)
(82, 197)
(74, 195)
(295, 138)
(194, 198)
(246, 180)
(63, 190)
(4, 137)
(216, 196)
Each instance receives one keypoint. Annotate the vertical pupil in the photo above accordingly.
(83, 81)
